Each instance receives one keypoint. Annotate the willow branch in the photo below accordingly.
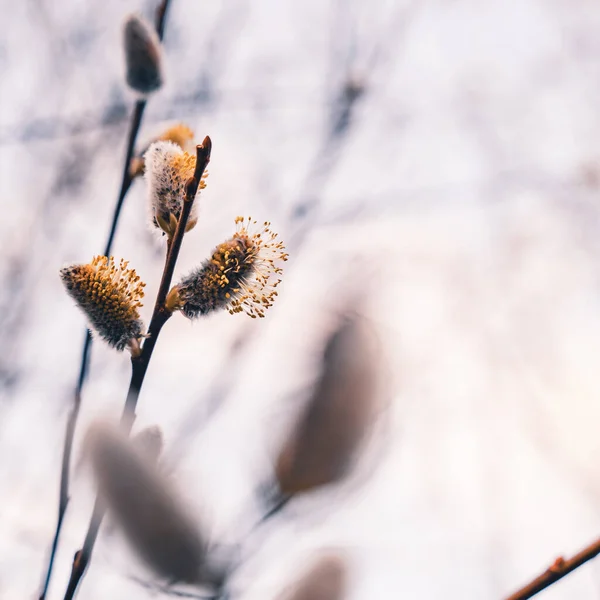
(85, 354)
(559, 569)
(139, 363)
(126, 180)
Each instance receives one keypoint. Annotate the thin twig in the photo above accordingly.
(126, 180)
(139, 363)
(559, 569)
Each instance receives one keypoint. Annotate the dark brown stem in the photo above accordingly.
(139, 364)
(559, 569)
(126, 180)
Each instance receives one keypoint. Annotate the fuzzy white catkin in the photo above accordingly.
(143, 56)
(168, 169)
(326, 438)
(325, 580)
(144, 506)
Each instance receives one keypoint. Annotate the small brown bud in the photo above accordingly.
(143, 71)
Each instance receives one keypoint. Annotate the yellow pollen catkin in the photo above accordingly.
(179, 134)
(241, 274)
(109, 295)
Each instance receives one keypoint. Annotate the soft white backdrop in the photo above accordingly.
(461, 193)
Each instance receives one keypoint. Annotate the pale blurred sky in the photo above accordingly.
(461, 194)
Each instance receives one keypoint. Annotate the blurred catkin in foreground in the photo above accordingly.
(153, 519)
(328, 434)
(325, 580)
(143, 70)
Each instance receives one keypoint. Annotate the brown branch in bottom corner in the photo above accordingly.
(559, 569)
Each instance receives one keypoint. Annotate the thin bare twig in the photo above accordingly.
(126, 180)
(139, 363)
(559, 569)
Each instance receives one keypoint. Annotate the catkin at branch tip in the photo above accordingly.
(168, 169)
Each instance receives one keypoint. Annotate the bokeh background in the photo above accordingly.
(440, 158)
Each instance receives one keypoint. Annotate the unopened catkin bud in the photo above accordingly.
(109, 295)
(143, 503)
(241, 275)
(325, 580)
(143, 70)
(340, 411)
